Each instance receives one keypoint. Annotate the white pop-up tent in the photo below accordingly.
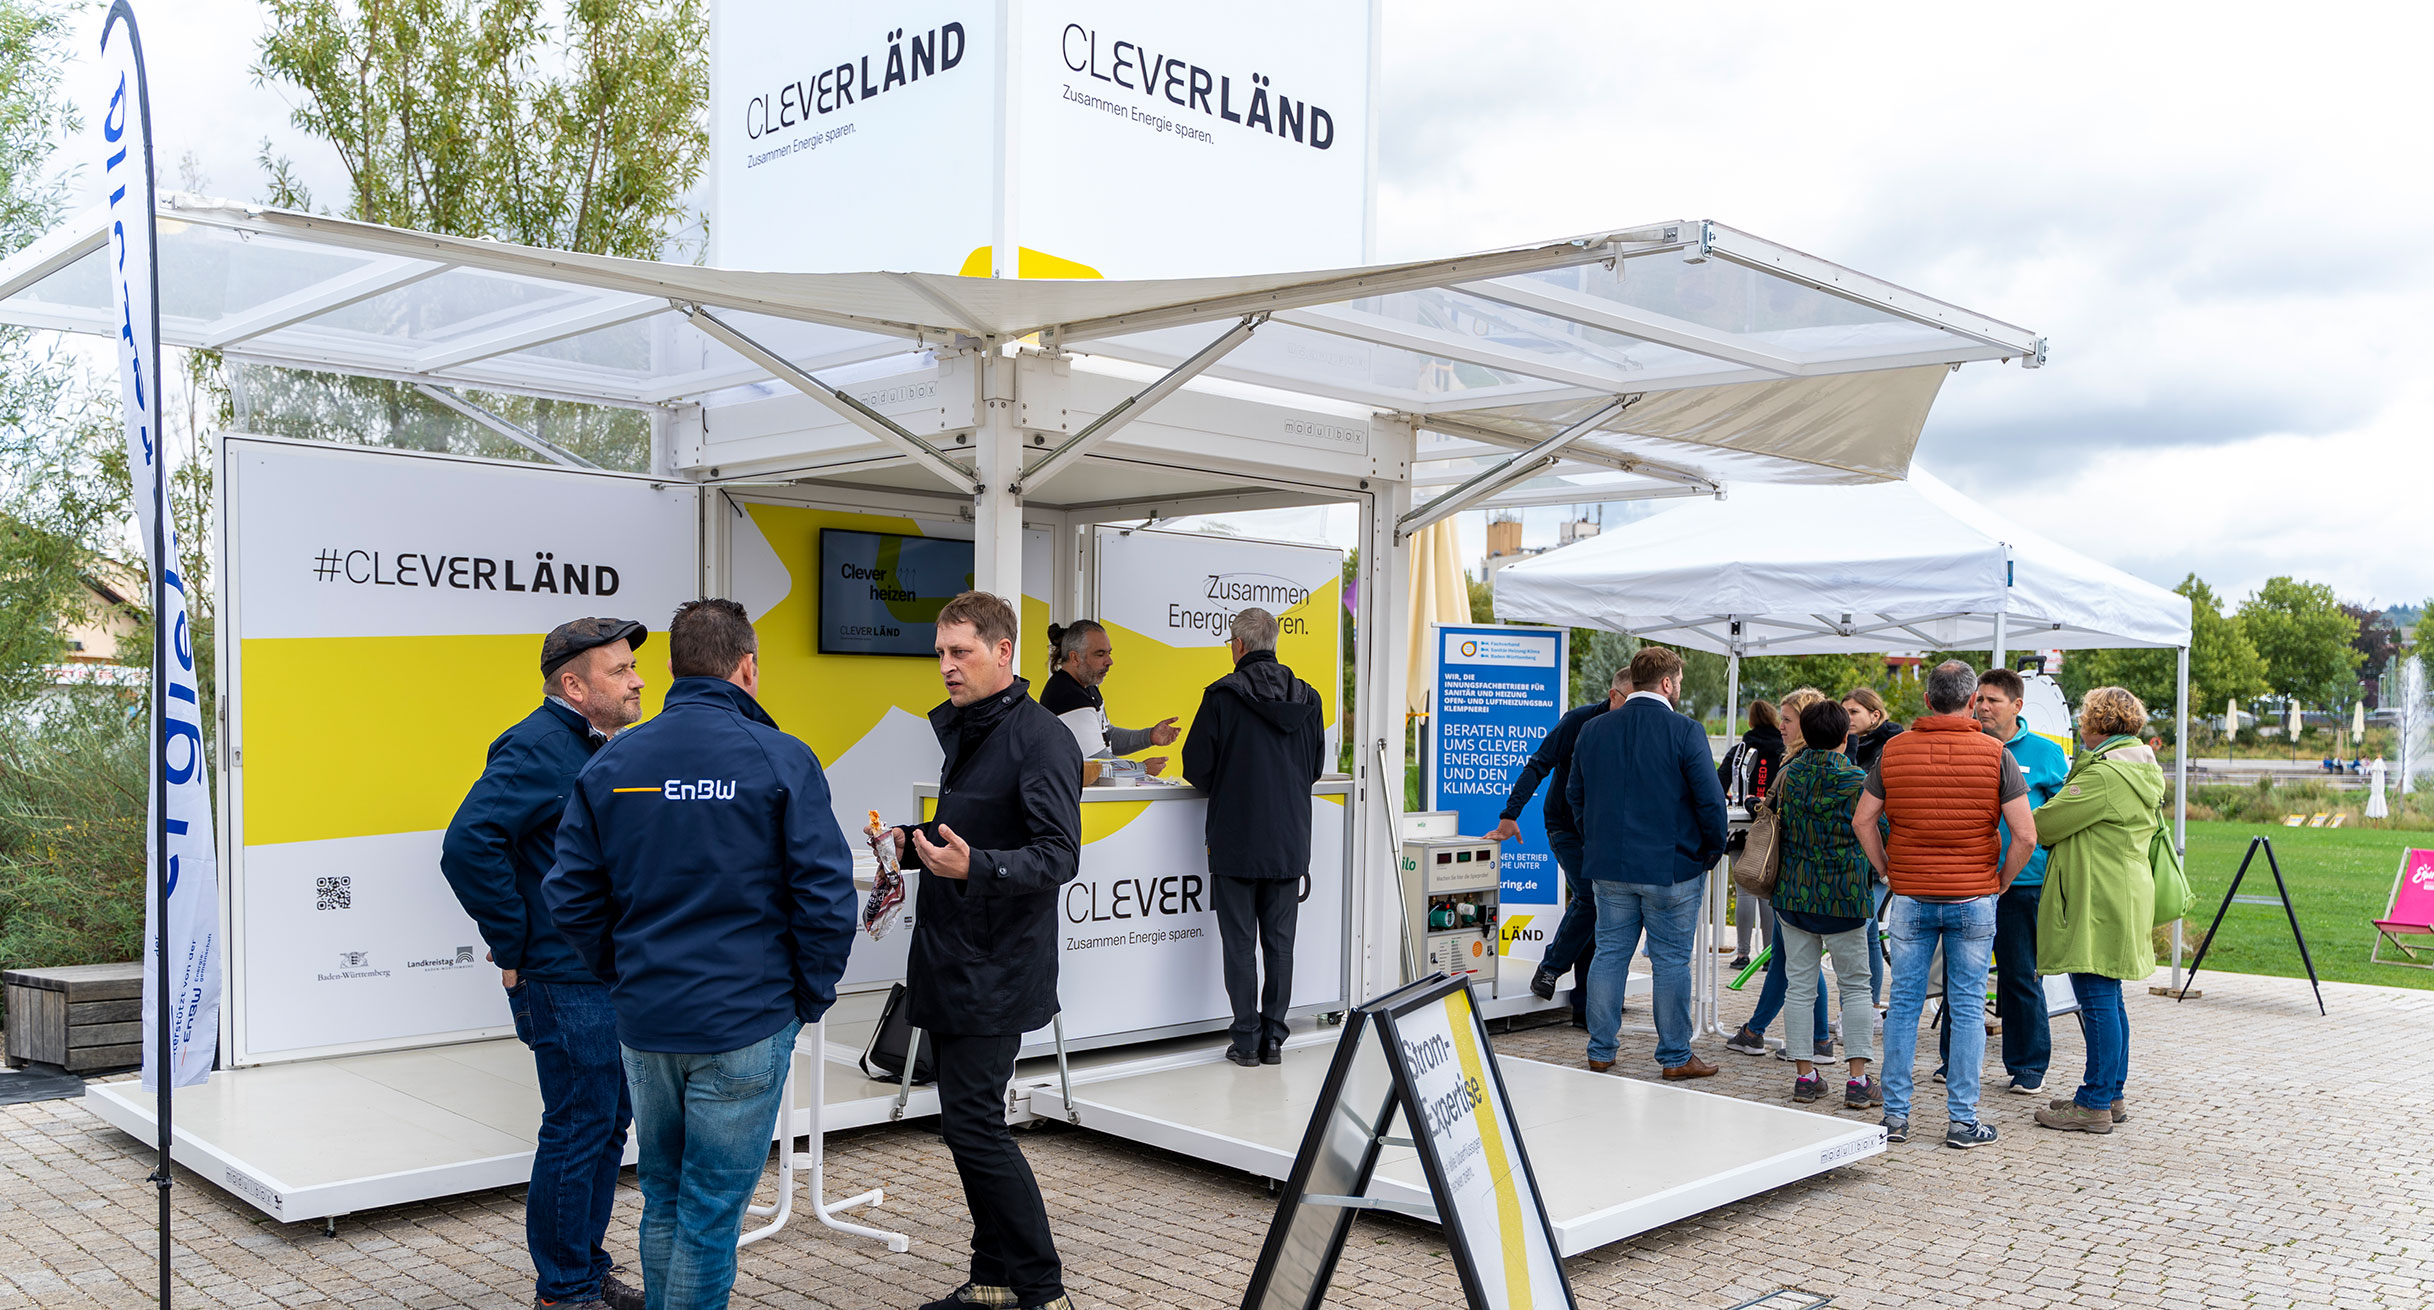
(1780, 570)
(1892, 567)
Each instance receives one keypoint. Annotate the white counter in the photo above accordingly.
(1138, 955)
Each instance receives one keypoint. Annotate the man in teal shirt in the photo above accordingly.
(2019, 994)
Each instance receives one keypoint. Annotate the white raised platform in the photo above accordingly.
(326, 1137)
(1614, 1156)
(320, 1138)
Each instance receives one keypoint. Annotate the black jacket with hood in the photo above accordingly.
(1866, 746)
(985, 947)
(1255, 748)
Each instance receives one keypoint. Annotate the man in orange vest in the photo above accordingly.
(1943, 792)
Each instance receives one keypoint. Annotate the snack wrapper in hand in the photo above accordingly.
(886, 901)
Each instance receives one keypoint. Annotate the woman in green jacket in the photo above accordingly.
(2096, 919)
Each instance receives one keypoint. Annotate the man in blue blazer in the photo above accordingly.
(1651, 815)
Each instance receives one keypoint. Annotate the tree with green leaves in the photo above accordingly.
(2305, 639)
(572, 126)
(58, 512)
(484, 118)
(2223, 663)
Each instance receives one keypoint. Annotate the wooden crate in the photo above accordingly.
(81, 1017)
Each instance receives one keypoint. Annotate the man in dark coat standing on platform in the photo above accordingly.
(1255, 747)
(1007, 835)
(497, 850)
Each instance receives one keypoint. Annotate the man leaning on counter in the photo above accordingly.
(1082, 655)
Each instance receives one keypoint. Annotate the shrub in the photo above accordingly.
(72, 811)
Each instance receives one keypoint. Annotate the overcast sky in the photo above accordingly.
(2218, 214)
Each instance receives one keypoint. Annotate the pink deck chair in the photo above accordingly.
(2411, 914)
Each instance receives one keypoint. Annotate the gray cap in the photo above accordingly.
(568, 640)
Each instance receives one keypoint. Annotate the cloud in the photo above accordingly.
(2217, 223)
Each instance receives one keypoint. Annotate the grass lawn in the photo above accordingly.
(2340, 878)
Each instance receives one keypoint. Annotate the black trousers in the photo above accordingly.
(1256, 918)
(1011, 1246)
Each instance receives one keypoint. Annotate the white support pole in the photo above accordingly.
(1383, 628)
(1524, 464)
(811, 1045)
(2180, 799)
(516, 433)
(997, 507)
(2000, 635)
(1070, 451)
(1707, 981)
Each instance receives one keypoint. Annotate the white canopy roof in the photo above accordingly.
(1733, 357)
(1808, 570)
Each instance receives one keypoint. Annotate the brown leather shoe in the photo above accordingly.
(1694, 1067)
(1600, 1066)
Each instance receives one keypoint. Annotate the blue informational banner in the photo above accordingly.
(1498, 693)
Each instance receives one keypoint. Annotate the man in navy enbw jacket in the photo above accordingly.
(1652, 819)
(702, 876)
(498, 848)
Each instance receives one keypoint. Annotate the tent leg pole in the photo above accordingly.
(997, 509)
(1709, 978)
(2180, 792)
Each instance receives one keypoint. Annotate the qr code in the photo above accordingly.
(334, 893)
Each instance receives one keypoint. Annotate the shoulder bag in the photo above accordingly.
(2172, 894)
(1760, 864)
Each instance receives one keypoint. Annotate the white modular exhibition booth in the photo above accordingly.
(796, 419)
(1893, 567)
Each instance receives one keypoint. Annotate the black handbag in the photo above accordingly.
(884, 1057)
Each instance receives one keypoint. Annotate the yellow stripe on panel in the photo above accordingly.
(1499, 1159)
(362, 736)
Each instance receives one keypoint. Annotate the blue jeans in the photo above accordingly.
(584, 1112)
(2028, 1041)
(705, 1124)
(1670, 913)
(1966, 931)
(2108, 1040)
(1770, 994)
(1575, 941)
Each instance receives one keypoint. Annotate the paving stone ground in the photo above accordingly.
(2275, 1159)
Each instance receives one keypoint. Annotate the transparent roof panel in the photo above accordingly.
(1516, 342)
(459, 300)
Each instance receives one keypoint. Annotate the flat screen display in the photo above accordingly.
(880, 592)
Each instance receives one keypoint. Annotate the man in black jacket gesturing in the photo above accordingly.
(1255, 748)
(1008, 833)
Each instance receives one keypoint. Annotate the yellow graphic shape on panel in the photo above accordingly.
(1027, 263)
(1152, 680)
(833, 701)
(320, 765)
(1500, 1159)
(1100, 819)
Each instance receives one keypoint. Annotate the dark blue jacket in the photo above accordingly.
(1552, 764)
(505, 836)
(702, 877)
(1644, 788)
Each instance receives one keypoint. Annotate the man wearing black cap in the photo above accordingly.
(499, 846)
